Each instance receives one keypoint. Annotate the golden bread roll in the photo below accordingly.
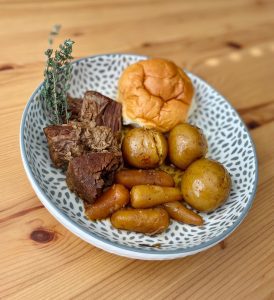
(155, 93)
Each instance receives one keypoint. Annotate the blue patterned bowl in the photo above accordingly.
(228, 139)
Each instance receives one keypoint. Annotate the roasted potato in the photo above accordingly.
(144, 148)
(144, 196)
(130, 178)
(179, 212)
(205, 184)
(149, 221)
(116, 197)
(186, 143)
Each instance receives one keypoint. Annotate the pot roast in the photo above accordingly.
(89, 173)
(89, 145)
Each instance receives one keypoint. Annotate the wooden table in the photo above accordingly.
(228, 43)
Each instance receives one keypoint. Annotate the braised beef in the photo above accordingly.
(64, 143)
(103, 110)
(72, 140)
(74, 107)
(99, 138)
(89, 173)
(89, 145)
(97, 107)
(89, 110)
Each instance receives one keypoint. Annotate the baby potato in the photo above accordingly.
(186, 143)
(144, 148)
(116, 197)
(179, 212)
(144, 196)
(205, 184)
(149, 221)
(130, 178)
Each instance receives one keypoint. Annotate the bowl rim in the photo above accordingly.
(113, 247)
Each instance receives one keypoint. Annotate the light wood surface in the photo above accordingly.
(228, 43)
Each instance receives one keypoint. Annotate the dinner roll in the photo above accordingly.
(155, 93)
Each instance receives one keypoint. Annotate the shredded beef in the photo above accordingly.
(103, 110)
(76, 138)
(74, 107)
(97, 107)
(89, 145)
(89, 173)
(89, 110)
(98, 138)
(64, 143)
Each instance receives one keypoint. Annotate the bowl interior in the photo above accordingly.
(228, 140)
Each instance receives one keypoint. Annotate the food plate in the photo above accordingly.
(228, 140)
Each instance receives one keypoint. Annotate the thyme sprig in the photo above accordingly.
(56, 84)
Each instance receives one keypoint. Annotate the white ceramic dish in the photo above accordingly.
(228, 139)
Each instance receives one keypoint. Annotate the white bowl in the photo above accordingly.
(228, 139)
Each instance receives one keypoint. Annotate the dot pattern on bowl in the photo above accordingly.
(228, 142)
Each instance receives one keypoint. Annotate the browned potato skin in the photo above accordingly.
(145, 196)
(186, 143)
(144, 148)
(149, 221)
(130, 178)
(116, 197)
(179, 212)
(205, 184)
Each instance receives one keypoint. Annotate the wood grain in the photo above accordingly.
(228, 43)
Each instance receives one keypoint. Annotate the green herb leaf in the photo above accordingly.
(57, 75)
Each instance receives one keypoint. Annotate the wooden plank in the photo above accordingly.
(180, 16)
(253, 84)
